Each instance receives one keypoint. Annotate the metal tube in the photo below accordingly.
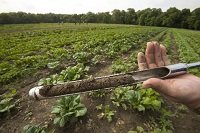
(193, 65)
(110, 81)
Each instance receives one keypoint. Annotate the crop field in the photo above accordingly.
(51, 54)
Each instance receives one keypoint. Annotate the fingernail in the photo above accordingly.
(140, 54)
(149, 43)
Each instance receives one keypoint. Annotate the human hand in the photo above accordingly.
(183, 89)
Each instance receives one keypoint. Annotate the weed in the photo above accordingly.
(107, 112)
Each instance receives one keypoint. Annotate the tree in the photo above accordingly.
(90, 17)
(172, 18)
(116, 16)
(193, 20)
(104, 17)
(131, 16)
(185, 14)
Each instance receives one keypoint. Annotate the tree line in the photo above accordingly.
(173, 17)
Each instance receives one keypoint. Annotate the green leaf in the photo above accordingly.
(53, 64)
(41, 82)
(62, 122)
(81, 112)
(57, 120)
(99, 107)
(55, 110)
(141, 108)
(132, 132)
(124, 106)
(139, 129)
(68, 114)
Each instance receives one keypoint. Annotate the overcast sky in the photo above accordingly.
(83, 6)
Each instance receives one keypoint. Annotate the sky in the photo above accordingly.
(84, 6)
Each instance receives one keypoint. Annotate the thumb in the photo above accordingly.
(159, 85)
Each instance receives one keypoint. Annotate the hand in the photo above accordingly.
(183, 89)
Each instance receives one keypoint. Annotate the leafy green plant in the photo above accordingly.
(98, 94)
(146, 99)
(68, 108)
(97, 59)
(35, 129)
(81, 57)
(140, 99)
(52, 65)
(107, 112)
(138, 129)
(70, 73)
(120, 97)
(6, 105)
(7, 101)
(119, 66)
(164, 120)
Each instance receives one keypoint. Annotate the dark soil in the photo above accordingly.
(174, 50)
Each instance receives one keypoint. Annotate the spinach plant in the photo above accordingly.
(81, 57)
(107, 112)
(35, 129)
(140, 99)
(68, 108)
(52, 65)
(70, 73)
(7, 101)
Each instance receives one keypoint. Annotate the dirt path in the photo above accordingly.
(174, 50)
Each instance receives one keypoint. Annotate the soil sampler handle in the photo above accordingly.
(110, 81)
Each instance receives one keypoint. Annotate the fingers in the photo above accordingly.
(155, 56)
(150, 55)
(142, 61)
(157, 53)
(164, 55)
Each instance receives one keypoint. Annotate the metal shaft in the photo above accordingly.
(110, 81)
(193, 65)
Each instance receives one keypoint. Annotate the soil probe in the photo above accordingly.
(110, 81)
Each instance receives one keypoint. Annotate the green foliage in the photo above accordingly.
(68, 108)
(70, 73)
(6, 105)
(164, 120)
(81, 57)
(98, 94)
(140, 99)
(139, 129)
(107, 112)
(119, 66)
(35, 129)
(120, 97)
(52, 65)
(24, 53)
(7, 101)
(97, 59)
